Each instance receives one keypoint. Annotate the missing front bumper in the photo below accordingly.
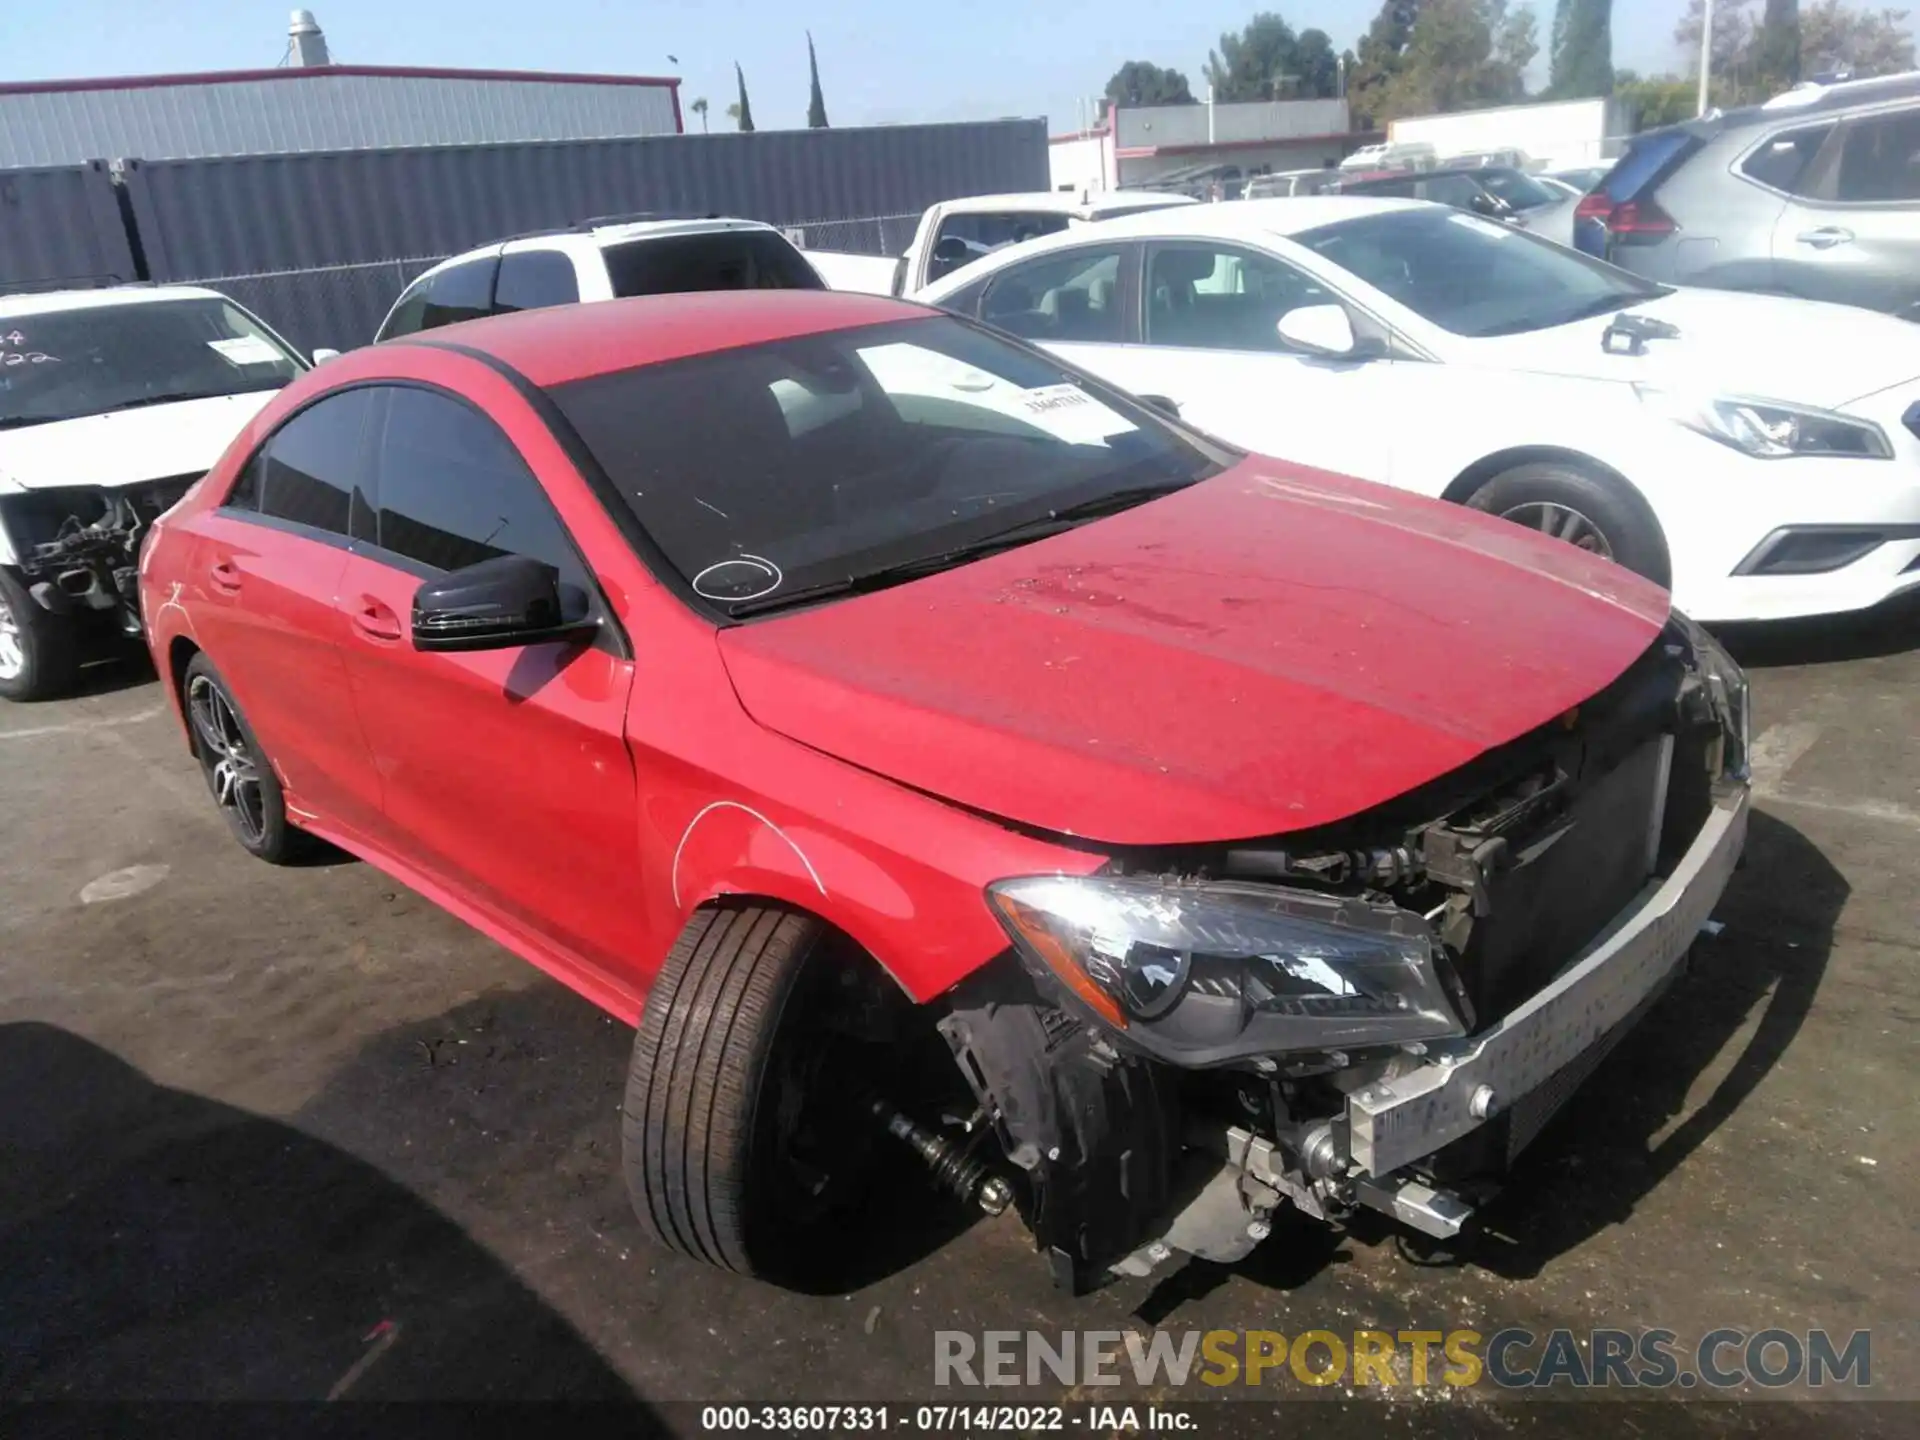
(1464, 1084)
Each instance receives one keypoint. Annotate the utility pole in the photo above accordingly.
(1706, 51)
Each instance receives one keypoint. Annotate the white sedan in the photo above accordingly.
(1760, 455)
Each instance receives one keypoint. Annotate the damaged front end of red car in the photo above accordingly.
(1378, 1013)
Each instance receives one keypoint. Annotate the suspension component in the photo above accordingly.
(953, 1166)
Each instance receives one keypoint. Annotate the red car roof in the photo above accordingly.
(573, 342)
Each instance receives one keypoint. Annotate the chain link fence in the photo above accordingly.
(337, 306)
(868, 235)
(340, 306)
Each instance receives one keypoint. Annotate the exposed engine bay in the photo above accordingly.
(77, 548)
(1380, 1013)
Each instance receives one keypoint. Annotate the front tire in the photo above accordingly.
(1594, 512)
(745, 1141)
(39, 651)
(244, 783)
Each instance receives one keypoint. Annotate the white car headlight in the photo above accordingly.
(1770, 429)
(1203, 974)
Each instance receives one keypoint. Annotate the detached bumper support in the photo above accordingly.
(1396, 1122)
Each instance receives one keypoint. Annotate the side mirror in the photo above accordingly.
(494, 605)
(1320, 330)
(323, 354)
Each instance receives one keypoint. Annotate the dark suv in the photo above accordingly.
(1816, 193)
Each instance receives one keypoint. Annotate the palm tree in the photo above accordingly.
(699, 107)
(733, 113)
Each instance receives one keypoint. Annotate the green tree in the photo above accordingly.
(1459, 55)
(1581, 58)
(1776, 45)
(1317, 65)
(1655, 101)
(1141, 82)
(699, 107)
(816, 102)
(1257, 64)
(1832, 34)
(1873, 42)
(741, 110)
(1380, 55)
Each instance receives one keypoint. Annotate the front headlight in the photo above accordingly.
(1203, 974)
(1732, 697)
(1770, 429)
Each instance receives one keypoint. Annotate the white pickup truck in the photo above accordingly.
(955, 233)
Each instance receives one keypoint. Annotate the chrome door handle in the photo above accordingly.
(1825, 238)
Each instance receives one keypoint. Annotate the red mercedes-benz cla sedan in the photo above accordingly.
(803, 677)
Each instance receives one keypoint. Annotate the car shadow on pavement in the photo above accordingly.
(1734, 1012)
(518, 1093)
(158, 1245)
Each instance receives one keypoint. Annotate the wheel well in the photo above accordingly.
(180, 655)
(1481, 471)
(843, 941)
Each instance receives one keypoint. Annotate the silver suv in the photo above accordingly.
(1816, 193)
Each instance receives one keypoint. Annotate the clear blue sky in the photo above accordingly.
(880, 60)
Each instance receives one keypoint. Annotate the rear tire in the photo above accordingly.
(39, 651)
(244, 783)
(1596, 512)
(744, 1138)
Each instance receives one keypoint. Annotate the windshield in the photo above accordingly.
(771, 470)
(1521, 191)
(1472, 276)
(67, 363)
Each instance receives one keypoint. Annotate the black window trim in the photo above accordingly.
(598, 606)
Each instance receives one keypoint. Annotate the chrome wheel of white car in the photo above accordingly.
(1562, 522)
(39, 651)
(13, 657)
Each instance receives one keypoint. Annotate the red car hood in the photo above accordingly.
(1269, 650)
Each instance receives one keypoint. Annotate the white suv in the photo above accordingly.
(600, 261)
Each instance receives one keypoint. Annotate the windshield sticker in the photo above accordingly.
(744, 577)
(1070, 413)
(245, 350)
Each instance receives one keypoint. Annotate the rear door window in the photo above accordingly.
(1070, 297)
(1784, 162)
(712, 260)
(308, 471)
(534, 280)
(1880, 159)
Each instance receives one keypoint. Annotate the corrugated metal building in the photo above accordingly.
(333, 107)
